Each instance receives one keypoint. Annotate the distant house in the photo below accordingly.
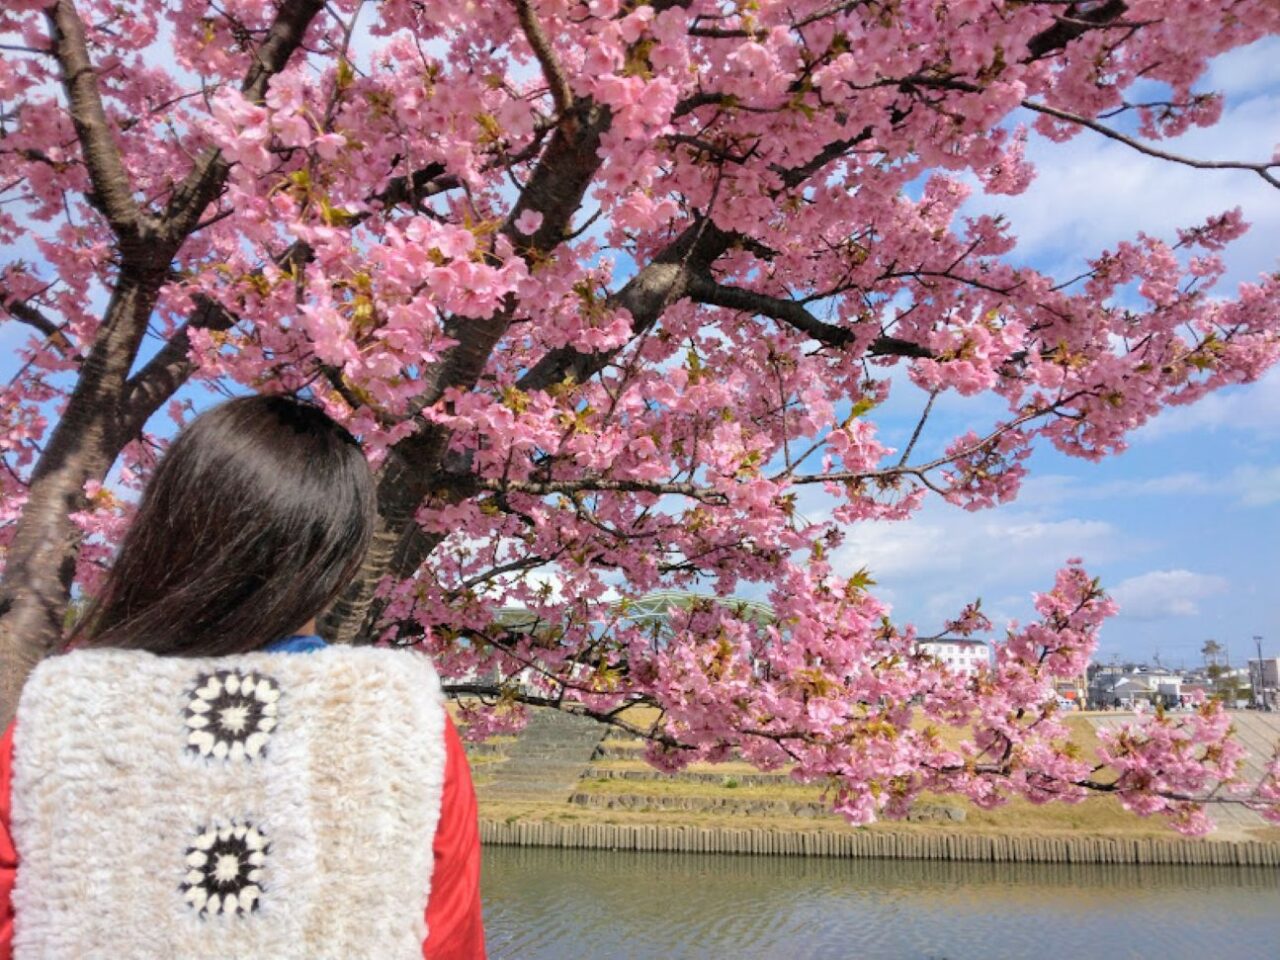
(959, 654)
(1129, 690)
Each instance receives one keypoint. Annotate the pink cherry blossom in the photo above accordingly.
(616, 292)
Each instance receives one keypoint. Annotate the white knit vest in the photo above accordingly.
(272, 805)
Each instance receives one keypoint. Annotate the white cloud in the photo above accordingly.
(1168, 484)
(1054, 488)
(1091, 192)
(1247, 70)
(934, 564)
(1165, 593)
(1249, 485)
(1251, 408)
(1257, 486)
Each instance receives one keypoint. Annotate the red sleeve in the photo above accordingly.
(455, 930)
(8, 855)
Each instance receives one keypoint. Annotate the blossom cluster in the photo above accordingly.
(644, 271)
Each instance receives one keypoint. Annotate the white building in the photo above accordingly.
(962, 656)
(1129, 690)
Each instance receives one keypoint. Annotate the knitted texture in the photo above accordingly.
(266, 805)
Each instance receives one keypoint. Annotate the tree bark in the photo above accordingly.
(40, 562)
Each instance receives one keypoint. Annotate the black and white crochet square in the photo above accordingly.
(224, 870)
(231, 714)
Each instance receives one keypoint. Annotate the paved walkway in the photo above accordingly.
(546, 761)
(1258, 733)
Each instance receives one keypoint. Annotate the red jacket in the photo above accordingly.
(454, 928)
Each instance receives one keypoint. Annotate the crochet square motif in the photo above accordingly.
(230, 715)
(224, 870)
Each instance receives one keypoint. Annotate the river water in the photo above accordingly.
(546, 904)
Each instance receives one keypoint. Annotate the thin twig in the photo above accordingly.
(1261, 169)
(911, 445)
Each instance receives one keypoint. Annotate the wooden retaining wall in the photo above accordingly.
(904, 846)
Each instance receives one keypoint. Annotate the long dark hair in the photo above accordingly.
(257, 516)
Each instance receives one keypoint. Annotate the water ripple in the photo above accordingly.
(543, 904)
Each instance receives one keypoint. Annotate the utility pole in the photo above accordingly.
(1260, 687)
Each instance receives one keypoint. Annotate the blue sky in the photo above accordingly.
(1182, 527)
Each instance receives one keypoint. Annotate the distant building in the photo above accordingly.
(1128, 691)
(1071, 693)
(1115, 688)
(960, 655)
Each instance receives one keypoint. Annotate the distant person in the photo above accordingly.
(202, 777)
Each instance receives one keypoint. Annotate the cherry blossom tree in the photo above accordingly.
(605, 289)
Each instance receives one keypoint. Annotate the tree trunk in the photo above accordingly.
(411, 472)
(40, 562)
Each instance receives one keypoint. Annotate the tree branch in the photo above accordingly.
(915, 434)
(34, 317)
(661, 282)
(1262, 169)
(1076, 24)
(920, 470)
(419, 185)
(704, 289)
(561, 93)
(611, 717)
(760, 33)
(603, 485)
(204, 182)
(168, 370)
(112, 188)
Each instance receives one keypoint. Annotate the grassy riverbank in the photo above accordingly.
(618, 789)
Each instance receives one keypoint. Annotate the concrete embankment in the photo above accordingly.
(908, 846)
